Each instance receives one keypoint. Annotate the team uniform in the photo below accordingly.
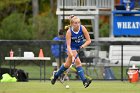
(77, 39)
(55, 48)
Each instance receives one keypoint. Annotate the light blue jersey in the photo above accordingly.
(76, 38)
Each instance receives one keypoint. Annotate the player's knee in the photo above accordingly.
(67, 65)
(78, 64)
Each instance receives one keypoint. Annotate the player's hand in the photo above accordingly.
(81, 47)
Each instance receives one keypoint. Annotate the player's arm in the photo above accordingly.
(87, 37)
(68, 42)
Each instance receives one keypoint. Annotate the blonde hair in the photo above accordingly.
(71, 18)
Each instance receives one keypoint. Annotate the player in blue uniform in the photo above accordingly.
(55, 48)
(74, 41)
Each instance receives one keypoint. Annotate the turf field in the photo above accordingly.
(75, 87)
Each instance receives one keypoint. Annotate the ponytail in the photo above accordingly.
(70, 18)
(67, 27)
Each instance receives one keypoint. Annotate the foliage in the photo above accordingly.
(18, 24)
(45, 27)
(47, 6)
(14, 27)
(43, 5)
(104, 29)
(5, 3)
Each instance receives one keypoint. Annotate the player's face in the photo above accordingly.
(76, 24)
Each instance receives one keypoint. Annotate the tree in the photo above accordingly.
(14, 27)
(45, 27)
(35, 7)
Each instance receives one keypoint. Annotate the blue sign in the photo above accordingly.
(126, 25)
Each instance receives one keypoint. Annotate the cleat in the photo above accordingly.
(53, 79)
(86, 83)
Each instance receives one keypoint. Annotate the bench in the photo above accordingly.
(128, 52)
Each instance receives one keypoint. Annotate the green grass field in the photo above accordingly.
(75, 87)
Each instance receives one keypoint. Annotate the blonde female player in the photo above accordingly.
(74, 40)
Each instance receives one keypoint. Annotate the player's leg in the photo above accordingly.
(80, 71)
(62, 69)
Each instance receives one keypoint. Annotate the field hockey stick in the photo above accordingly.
(66, 74)
(72, 68)
(63, 78)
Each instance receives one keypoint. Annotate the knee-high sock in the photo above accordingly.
(60, 71)
(80, 72)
